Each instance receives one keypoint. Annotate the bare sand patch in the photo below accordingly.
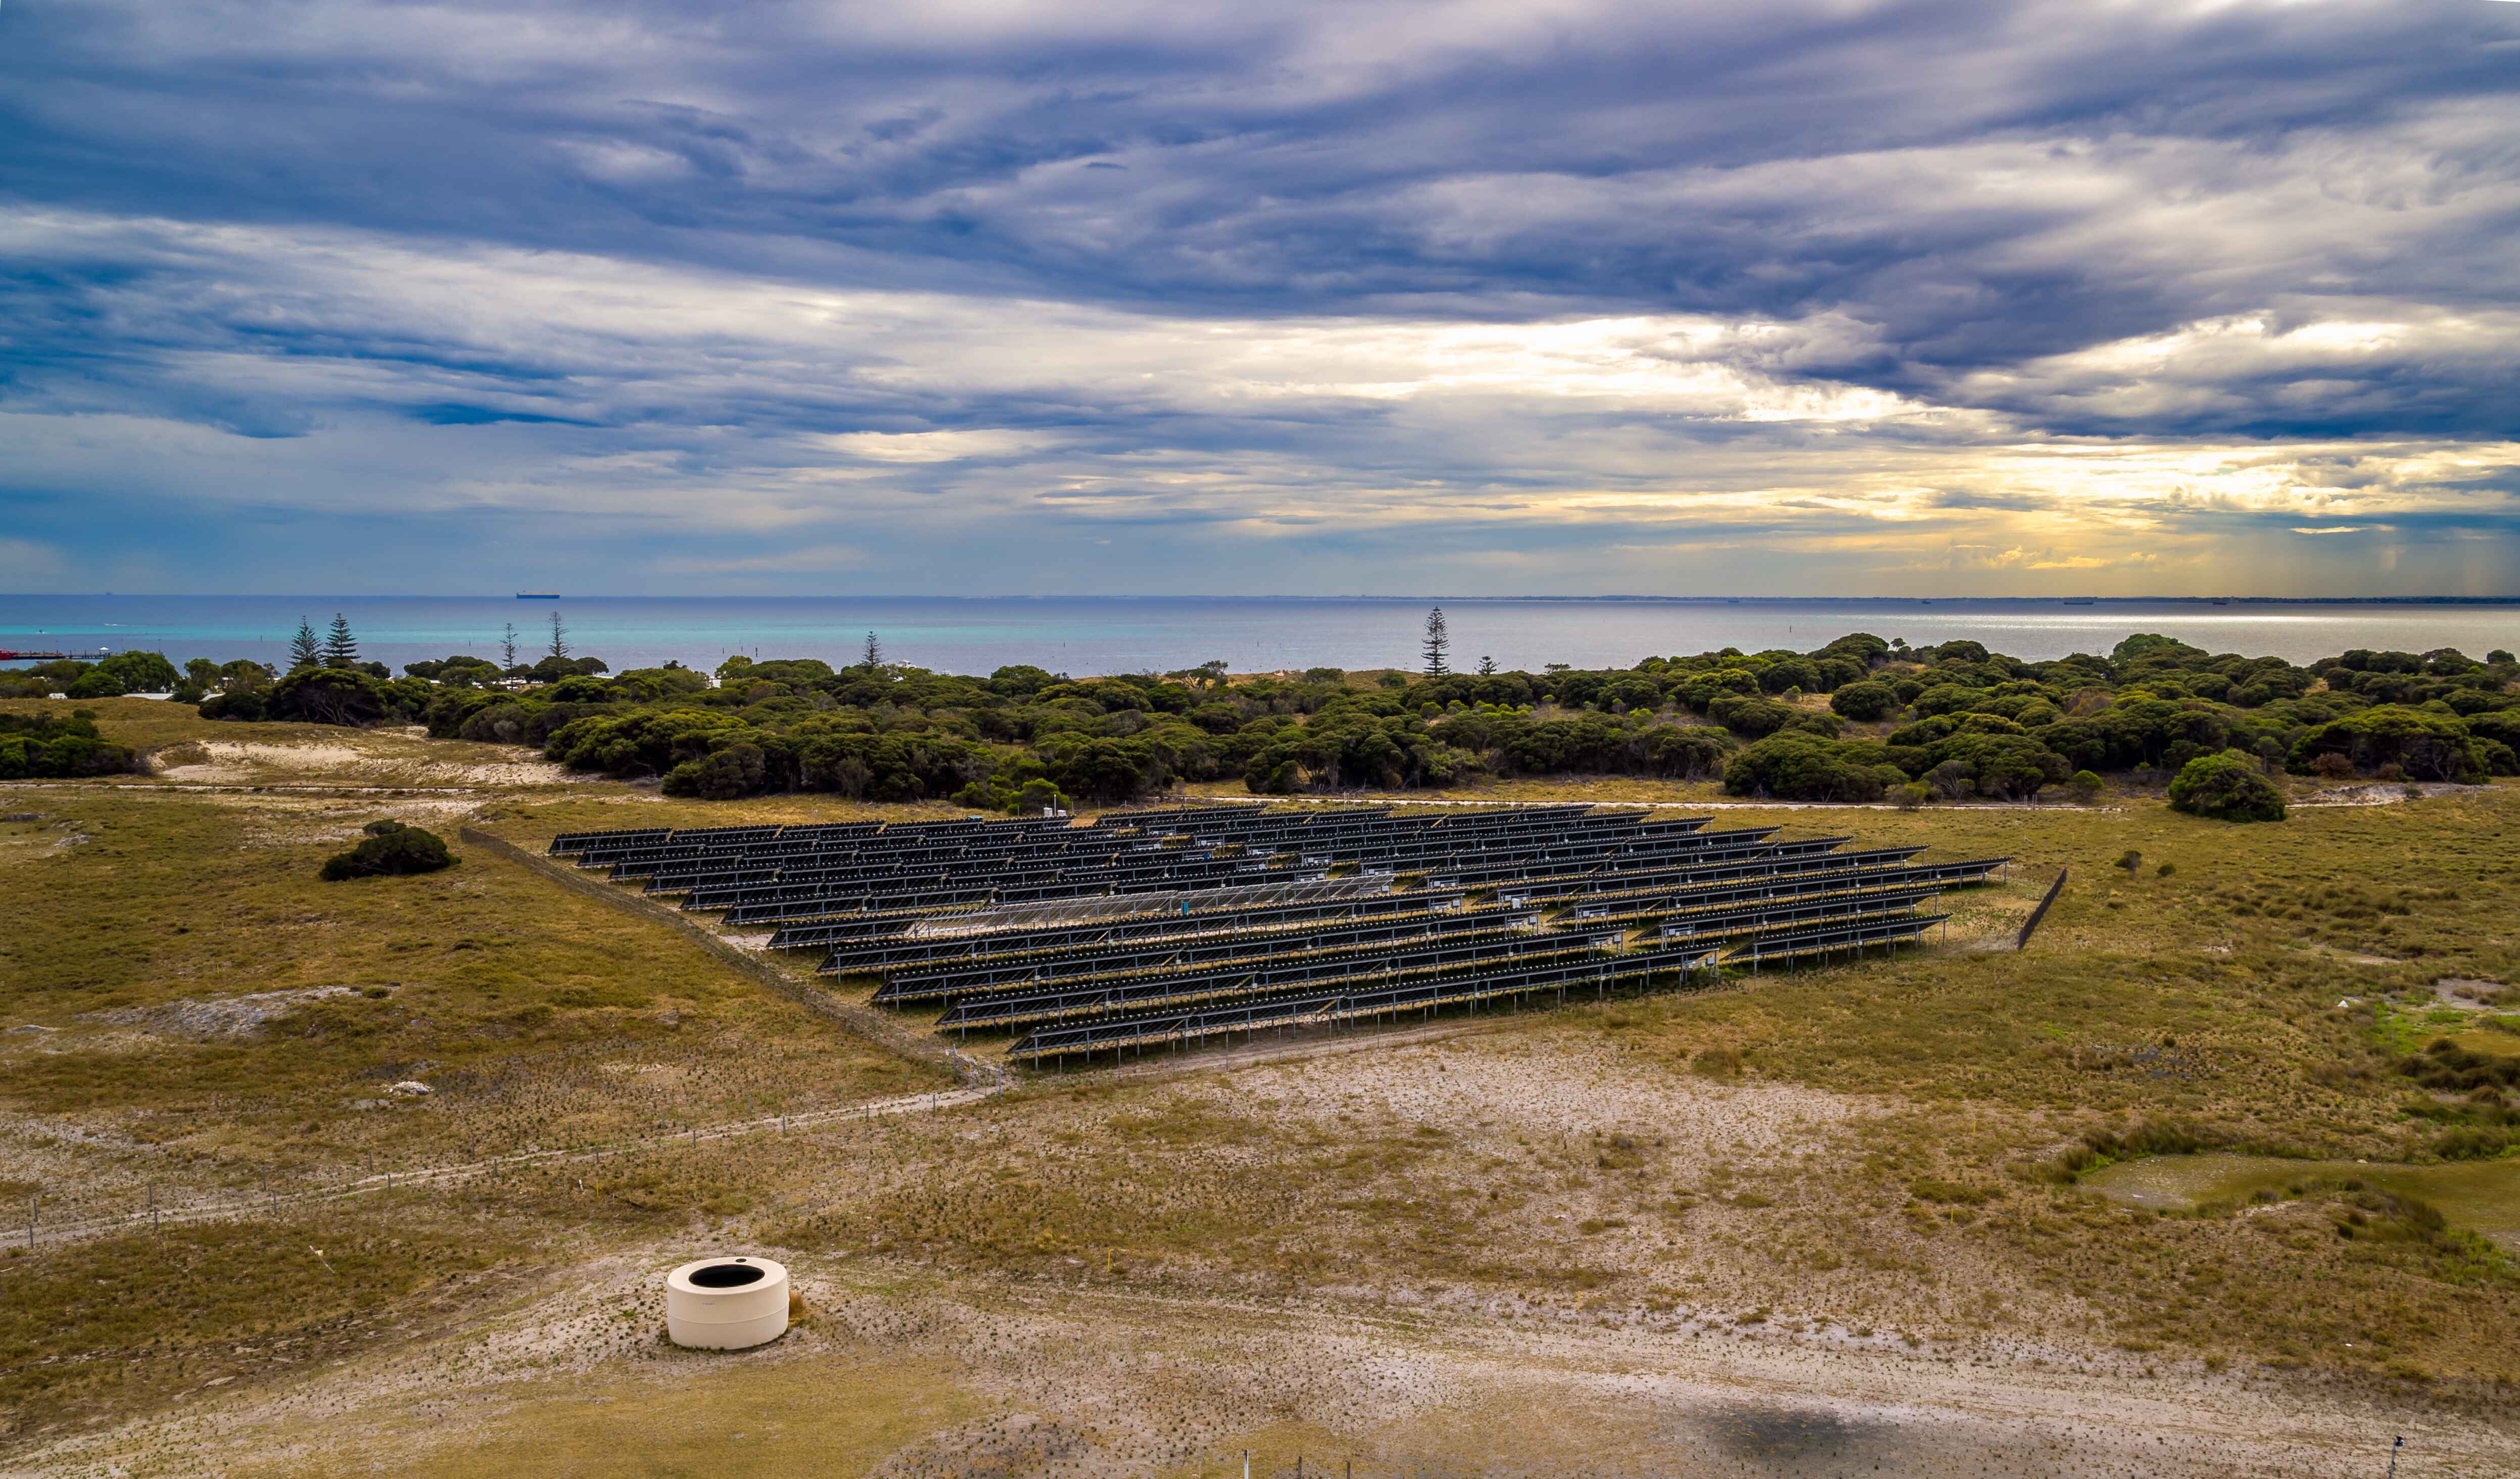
(383, 759)
(214, 1017)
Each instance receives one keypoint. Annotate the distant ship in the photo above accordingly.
(538, 595)
(2080, 600)
(2219, 601)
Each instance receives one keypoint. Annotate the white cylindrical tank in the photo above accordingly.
(726, 1304)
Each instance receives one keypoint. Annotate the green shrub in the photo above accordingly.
(2421, 745)
(50, 746)
(2228, 788)
(246, 705)
(1795, 766)
(1034, 795)
(1865, 701)
(735, 771)
(140, 672)
(391, 849)
(333, 695)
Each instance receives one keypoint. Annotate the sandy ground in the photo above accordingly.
(1147, 1376)
(240, 762)
(1095, 1382)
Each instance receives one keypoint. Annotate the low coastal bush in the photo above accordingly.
(2393, 741)
(390, 848)
(1865, 701)
(1802, 767)
(2230, 787)
(1967, 723)
(50, 746)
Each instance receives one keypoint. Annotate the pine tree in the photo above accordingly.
(1438, 643)
(305, 650)
(559, 638)
(1487, 667)
(873, 658)
(508, 646)
(341, 649)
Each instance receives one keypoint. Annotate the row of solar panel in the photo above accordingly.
(1251, 820)
(857, 952)
(775, 904)
(1088, 875)
(651, 859)
(1404, 945)
(1332, 1007)
(1022, 1010)
(1352, 1001)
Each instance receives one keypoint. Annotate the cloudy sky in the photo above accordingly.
(671, 297)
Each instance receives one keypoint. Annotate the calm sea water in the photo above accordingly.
(1122, 635)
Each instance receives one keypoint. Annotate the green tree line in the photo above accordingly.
(1858, 719)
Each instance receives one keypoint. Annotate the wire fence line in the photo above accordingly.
(2021, 941)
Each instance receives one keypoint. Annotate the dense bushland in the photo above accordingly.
(1856, 720)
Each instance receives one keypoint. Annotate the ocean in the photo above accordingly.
(1126, 635)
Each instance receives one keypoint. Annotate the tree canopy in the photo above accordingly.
(1850, 720)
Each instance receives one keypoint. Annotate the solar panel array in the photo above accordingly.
(1156, 929)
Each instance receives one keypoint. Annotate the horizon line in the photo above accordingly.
(1713, 599)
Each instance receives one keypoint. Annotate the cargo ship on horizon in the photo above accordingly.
(538, 595)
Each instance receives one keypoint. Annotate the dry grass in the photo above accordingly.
(123, 1325)
(779, 1422)
(540, 1017)
(1859, 1157)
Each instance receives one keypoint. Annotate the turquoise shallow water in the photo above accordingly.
(1251, 635)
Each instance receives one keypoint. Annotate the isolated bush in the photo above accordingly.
(390, 848)
(2228, 788)
(2085, 785)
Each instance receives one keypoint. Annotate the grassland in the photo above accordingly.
(1857, 1185)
